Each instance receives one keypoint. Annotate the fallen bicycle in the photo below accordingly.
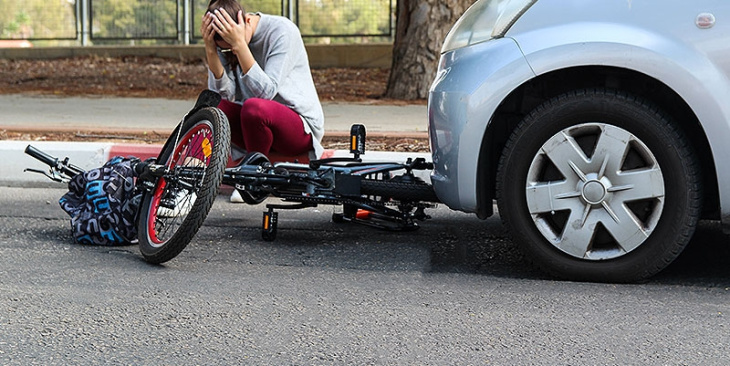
(176, 190)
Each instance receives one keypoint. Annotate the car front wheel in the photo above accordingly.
(598, 185)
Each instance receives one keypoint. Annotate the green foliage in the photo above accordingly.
(319, 20)
(344, 17)
(37, 19)
(134, 19)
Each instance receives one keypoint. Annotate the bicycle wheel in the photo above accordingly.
(195, 155)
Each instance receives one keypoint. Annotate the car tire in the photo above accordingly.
(598, 185)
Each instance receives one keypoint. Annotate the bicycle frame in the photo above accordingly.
(337, 182)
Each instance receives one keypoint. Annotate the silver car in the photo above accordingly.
(599, 127)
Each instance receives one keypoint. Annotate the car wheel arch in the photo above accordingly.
(534, 92)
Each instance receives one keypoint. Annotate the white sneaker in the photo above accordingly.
(183, 204)
(236, 197)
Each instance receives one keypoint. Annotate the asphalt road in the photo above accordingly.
(454, 292)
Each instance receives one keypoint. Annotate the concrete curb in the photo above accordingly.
(89, 155)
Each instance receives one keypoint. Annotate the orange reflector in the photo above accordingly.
(207, 148)
(363, 214)
(266, 222)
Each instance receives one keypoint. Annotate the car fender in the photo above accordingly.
(460, 109)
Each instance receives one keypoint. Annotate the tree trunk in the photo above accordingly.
(421, 28)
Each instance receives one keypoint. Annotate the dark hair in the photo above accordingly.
(232, 7)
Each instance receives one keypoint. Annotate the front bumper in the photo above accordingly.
(470, 85)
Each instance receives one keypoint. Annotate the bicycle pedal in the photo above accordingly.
(269, 226)
(357, 140)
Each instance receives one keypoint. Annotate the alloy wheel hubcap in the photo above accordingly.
(595, 191)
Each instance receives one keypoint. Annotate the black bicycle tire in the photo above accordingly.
(400, 191)
(179, 240)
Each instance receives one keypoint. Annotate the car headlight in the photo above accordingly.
(484, 20)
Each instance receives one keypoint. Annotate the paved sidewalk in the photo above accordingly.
(49, 113)
(160, 116)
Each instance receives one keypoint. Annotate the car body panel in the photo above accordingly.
(657, 38)
(457, 96)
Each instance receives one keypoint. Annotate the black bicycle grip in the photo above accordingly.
(62, 166)
(42, 156)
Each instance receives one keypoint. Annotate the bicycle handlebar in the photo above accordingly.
(42, 156)
(61, 166)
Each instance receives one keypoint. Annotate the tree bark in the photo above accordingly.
(421, 28)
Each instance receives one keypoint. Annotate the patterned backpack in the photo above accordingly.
(103, 204)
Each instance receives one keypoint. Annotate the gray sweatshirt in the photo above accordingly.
(281, 73)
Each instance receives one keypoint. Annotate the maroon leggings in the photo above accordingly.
(265, 125)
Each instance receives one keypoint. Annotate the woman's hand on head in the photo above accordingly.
(208, 31)
(232, 31)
